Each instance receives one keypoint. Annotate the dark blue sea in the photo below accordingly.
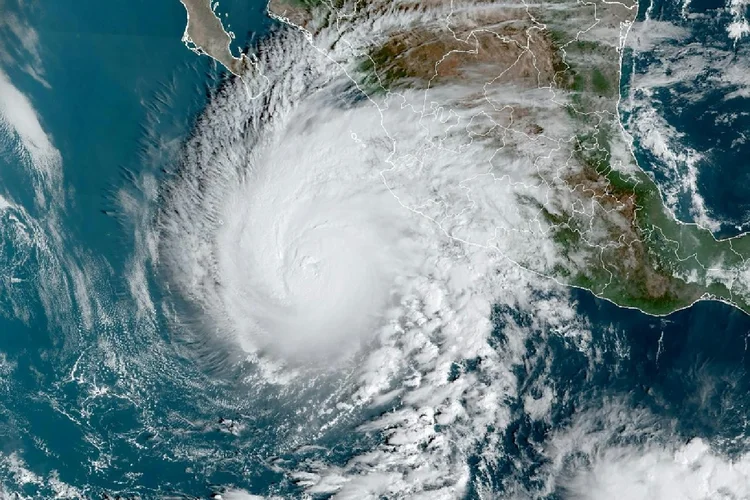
(686, 82)
(92, 403)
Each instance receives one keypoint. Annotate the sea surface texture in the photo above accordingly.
(386, 250)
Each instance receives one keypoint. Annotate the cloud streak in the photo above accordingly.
(20, 120)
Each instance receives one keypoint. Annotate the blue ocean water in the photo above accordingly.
(110, 69)
(122, 92)
(688, 369)
(696, 75)
(124, 95)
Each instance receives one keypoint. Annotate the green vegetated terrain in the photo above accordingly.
(639, 255)
(627, 246)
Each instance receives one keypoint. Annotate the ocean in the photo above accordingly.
(96, 400)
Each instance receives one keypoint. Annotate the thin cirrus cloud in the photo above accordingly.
(19, 118)
(20, 45)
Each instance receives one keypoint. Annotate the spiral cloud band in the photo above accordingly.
(300, 241)
(329, 226)
(301, 245)
(310, 243)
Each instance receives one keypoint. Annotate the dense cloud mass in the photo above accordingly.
(302, 218)
(309, 245)
(333, 242)
(288, 229)
(343, 282)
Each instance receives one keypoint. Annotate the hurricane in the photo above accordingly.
(424, 250)
(289, 224)
(295, 230)
(298, 246)
(357, 249)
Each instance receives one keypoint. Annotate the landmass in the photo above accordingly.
(205, 34)
(559, 67)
